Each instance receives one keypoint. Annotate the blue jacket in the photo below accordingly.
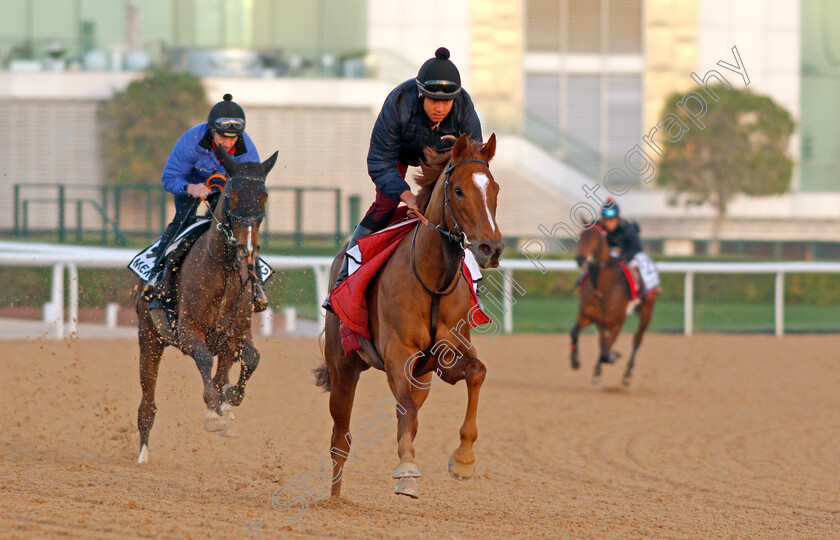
(403, 130)
(193, 161)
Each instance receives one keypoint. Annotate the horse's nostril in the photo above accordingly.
(486, 250)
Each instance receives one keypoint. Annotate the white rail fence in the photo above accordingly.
(70, 258)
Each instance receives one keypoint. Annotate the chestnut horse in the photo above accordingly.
(417, 304)
(605, 300)
(213, 288)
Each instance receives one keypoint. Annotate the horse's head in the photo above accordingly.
(469, 199)
(242, 206)
(592, 246)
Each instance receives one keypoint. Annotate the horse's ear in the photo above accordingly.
(489, 149)
(460, 147)
(268, 164)
(227, 162)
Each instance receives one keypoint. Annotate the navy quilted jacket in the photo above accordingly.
(403, 130)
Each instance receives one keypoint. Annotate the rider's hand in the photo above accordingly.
(410, 201)
(199, 191)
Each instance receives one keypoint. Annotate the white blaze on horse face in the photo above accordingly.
(482, 181)
(250, 244)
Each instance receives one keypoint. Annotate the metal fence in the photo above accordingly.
(110, 214)
(67, 258)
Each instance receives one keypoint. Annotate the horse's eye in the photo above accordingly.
(459, 192)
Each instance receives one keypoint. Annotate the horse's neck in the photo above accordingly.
(432, 255)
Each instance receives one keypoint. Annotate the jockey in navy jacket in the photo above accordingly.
(429, 111)
(403, 130)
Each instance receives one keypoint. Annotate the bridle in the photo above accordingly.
(590, 260)
(226, 225)
(457, 239)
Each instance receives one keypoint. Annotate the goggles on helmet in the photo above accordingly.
(609, 212)
(229, 124)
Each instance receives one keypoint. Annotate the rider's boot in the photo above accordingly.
(360, 232)
(150, 288)
(260, 299)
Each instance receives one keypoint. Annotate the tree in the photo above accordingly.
(741, 149)
(142, 123)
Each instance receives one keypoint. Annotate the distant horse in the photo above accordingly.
(213, 289)
(604, 300)
(418, 301)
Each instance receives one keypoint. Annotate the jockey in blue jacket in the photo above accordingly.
(429, 111)
(190, 164)
(626, 245)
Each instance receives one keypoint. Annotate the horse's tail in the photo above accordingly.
(322, 372)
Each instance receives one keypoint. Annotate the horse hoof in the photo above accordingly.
(407, 469)
(595, 383)
(213, 421)
(626, 380)
(144, 454)
(408, 486)
(231, 428)
(575, 362)
(232, 396)
(461, 471)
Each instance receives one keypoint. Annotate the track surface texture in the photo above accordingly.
(718, 436)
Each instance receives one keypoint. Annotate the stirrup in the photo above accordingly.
(260, 300)
(151, 288)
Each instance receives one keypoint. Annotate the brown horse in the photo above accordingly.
(213, 288)
(605, 300)
(419, 311)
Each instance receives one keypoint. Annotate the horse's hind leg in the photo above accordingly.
(151, 349)
(462, 462)
(581, 323)
(344, 376)
(645, 315)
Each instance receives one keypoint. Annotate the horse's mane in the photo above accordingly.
(432, 168)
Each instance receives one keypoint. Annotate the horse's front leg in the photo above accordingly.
(462, 462)
(399, 363)
(606, 337)
(194, 346)
(249, 357)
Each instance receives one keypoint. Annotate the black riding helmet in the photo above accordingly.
(610, 209)
(226, 117)
(438, 77)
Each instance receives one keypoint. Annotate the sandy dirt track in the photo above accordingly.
(720, 436)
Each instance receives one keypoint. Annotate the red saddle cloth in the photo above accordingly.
(349, 299)
(628, 275)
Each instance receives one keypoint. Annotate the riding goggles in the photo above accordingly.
(233, 125)
(609, 212)
(438, 89)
